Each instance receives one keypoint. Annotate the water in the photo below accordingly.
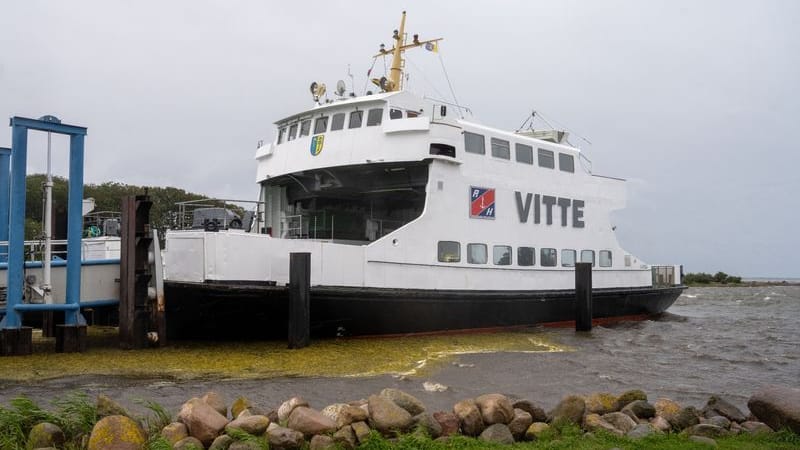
(714, 340)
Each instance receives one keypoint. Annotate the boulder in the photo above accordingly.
(703, 440)
(497, 433)
(777, 406)
(108, 407)
(639, 409)
(245, 445)
(495, 408)
(386, 417)
(660, 423)
(570, 409)
(755, 427)
(707, 430)
(686, 417)
(309, 422)
(239, 405)
(345, 437)
(188, 443)
(717, 406)
(629, 396)
(641, 430)
(404, 400)
(255, 425)
(535, 430)
(667, 409)
(202, 421)
(215, 400)
(174, 432)
(362, 430)
(117, 433)
(469, 417)
(322, 442)
(593, 422)
(284, 438)
(620, 421)
(520, 423)
(528, 406)
(448, 422)
(222, 442)
(286, 408)
(428, 424)
(343, 414)
(719, 421)
(601, 403)
(46, 434)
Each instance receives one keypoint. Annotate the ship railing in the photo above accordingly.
(663, 276)
(34, 250)
(213, 214)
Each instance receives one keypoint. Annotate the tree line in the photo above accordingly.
(707, 278)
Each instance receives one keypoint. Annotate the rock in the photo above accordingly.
(719, 421)
(640, 409)
(346, 437)
(117, 433)
(46, 434)
(686, 417)
(660, 423)
(469, 417)
(343, 414)
(333, 411)
(601, 403)
(641, 430)
(284, 438)
(174, 432)
(202, 421)
(707, 430)
(188, 443)
(448, 422)
(520, 423)
(108, 407)
(571, 409)
(495, 408)
(667, 409)
(755, 427)
(215, 400)
(245, 445)
(255, 425)
(777, 406)
(322, 442)
(309, 422)
(497, 433)
(620, 421)
(404, 400)
(593, 422)
(722, 407)
(430, 386)
(286, 408)
(221, 443)
(386, 417)
(272, 415)
(535, 430)
(239, 405)
(362, 430)
(703, 440)
(736, 428)
(528, 406)
(428, 424)
(628, 397)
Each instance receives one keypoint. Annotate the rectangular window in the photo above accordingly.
(449, 251)
(546, 159)
(587, 256)
(568, 258)
(292, 132)
(524, 153)
(526, 256)
(395, 113)
(305, 128)
(442, 149)
(412, 114)
(627, 260)
(337, 122)
(374, 117)
(548, 257)
(474, 143)
(566, 162)
(321, 125)
(501, 255)
(281, 134)
(477, 253)
(605, 258)
(356, 118)
(500, 149)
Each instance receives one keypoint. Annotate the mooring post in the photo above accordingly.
(134, 305)
(583, 297)
(299, 300)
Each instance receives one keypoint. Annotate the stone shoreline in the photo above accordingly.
(210, 422)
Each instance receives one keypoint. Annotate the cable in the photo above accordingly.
(446, 77)
(421, 72)
(369, 72)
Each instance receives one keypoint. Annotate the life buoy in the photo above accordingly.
(211, 225)
(235, 224)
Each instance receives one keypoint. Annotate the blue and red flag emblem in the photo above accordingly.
(481, 202)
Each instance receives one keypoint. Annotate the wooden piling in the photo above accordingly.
(583, 297)
(299, 300)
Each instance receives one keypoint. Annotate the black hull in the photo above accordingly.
(236, 310)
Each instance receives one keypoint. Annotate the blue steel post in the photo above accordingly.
(5, 175)
(74, 228)
(16, 225)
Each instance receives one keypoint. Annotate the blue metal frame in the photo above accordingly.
(16, 224)
(5, 175)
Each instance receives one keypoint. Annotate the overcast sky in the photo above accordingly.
(694, 102)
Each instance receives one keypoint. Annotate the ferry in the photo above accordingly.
(416, 219)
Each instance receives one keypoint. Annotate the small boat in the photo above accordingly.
(417, 219)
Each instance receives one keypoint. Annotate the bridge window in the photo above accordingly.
(281, 134)
(474, 143)
(395, 113)
(449, 251)
(292, 132)
(305, 128)
(356, 118)
(605, 258)
(548, 257)
(587, 256)
(501, 255)
(412, 114)
(321, 125)
(566, 162)
(337, 122)
(500, 149)
(524, 153)
(443, 149)
(374, 117)
(568, 258)
(477, 253)
(526, 256)
(546, 159)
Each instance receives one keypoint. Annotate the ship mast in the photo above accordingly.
(395, 80)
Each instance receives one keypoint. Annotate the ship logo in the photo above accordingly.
(316, 144)
(481, 203)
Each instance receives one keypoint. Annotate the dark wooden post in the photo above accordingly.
(299, 299)
(583, 297)
(134, 272)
